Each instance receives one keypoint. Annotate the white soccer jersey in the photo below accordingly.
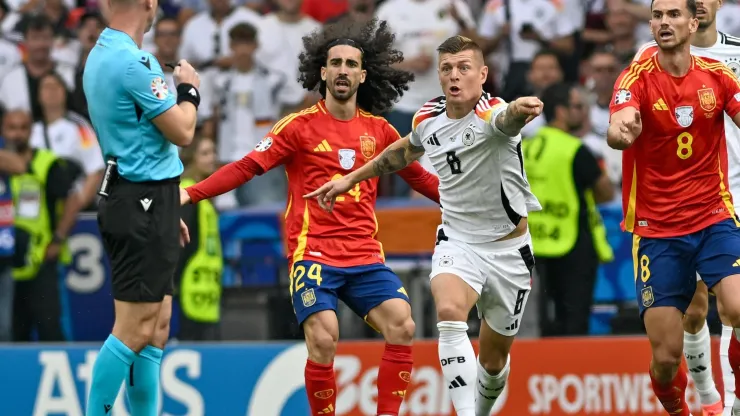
(483, 189)
(726, 50)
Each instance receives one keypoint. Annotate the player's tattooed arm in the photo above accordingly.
(396, 157)
(507, 122)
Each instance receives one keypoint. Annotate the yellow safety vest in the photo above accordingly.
(548, 160)
(200, 287)
(32, 214)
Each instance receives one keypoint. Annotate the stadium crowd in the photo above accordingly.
(247, 54)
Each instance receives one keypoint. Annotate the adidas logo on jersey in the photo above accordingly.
(328, 410)
(736, 263)
(433, 140)
(513, 326)
(660, 105)
(457, 382)
(322, 147)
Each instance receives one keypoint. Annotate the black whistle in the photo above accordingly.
(171, 65)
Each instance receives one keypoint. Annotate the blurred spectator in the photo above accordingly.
(167, 40)
(604, 68)
(544, 71)
(639, 11)
(323, 10)
(357, 10)
(10, 56)
(728, 18)
(70, 137)
(420, 26)
(517, 30)
(198, 277)
(19, 88)
(9, 19)
(186, 9)
(280, 43)
(568, 235)
(90, 27)
(205, 37)
(40, 233)
(623, 43)
(248, 96)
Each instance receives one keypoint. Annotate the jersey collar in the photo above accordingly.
(118, 36)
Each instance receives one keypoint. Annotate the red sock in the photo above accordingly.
(733, 354)
(673, 394)
(394, 376)
(321, 388)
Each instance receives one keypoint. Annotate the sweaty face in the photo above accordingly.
(462, 75)
(672, 23)
(706, 12)
(343, 72)
(17, 129)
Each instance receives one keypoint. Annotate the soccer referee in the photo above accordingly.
(139, 123)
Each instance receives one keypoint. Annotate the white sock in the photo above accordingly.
(728, 377)
(697, 349)
(490, 388)
(458, 362)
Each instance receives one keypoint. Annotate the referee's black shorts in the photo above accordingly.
(140, 226)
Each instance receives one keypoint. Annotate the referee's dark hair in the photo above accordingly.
(690, 4)
(383, 84)
(554, 96)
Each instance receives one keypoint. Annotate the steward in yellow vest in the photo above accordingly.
(200, 272)
(568, 235)
(46, 209)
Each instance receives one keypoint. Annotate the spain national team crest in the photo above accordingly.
(308, 297)
(347, 158)
(685, 115)
(367, 146)
(647, 296)
(707, 100)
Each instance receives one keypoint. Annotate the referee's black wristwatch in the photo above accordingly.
(188, 92)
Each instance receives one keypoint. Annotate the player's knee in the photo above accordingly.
(161, 333)
(493, 362)
(451, 311)
(693, 320)
(401, 332)
(666, 358)
(322, 346)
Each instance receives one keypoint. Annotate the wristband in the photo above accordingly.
(187, 92)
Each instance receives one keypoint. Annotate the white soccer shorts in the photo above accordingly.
(500, 271)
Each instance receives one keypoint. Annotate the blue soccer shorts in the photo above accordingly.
(665, 268)
(315, 287)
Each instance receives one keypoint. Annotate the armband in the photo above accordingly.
(188, 92)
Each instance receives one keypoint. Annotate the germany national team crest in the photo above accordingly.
(685, 115)
(707, 100)
(367, 146)
(308, 297)
(647, 296)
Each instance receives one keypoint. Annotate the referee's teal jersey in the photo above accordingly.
(125, 89)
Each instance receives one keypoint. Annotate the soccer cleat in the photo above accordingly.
(712, 409)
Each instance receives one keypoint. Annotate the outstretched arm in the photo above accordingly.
(395, 157)
(517, 115)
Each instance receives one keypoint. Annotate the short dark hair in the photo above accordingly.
(90, 14)
(37, 23)
(166, 19)
(243, 32)
(690, 4)
(554, 96)
(457, 44)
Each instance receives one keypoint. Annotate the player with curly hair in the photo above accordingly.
(336, 255)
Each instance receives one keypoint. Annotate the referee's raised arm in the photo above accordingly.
(139, 124)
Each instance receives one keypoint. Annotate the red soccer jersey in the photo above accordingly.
(315, 148)
(675, 174)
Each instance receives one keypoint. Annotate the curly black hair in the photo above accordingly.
(383, 84)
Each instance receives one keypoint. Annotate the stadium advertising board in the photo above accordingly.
(595, 376)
